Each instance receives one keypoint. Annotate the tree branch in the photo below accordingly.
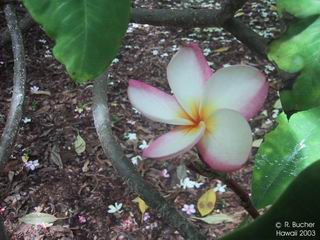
(247, 36)
(126, 169)
(24, 24)
(186, 18)
(19, 78)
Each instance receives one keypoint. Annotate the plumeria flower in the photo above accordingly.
(131, 136)
(82, 219)
(143, 145)
(116, 208)
(34, 89)
(211, 109)
(220, 188)
(165, 174)
(32, 165)
(26, 120)
(146, 216)
(135, 160)
(189, 209)
(187, 183)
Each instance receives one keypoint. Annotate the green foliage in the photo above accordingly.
(301, 8)
(298, 51)
(299, 203)
(87, 32)
(286, 151)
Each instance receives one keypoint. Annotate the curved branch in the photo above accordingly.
(25, 23)
(126, 169)
(247, 36)
(19, 79)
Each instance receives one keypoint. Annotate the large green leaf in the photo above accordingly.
(298, 51)
(285, 152)
(87, 32)
(301, 8)
(298, 204)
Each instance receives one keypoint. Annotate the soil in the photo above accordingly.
(80, 187)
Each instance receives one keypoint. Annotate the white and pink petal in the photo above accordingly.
(227, 144)
(188, 72)
(238, 87)
(156, 104)
(175, 142)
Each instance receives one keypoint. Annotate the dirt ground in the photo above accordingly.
(79, 188)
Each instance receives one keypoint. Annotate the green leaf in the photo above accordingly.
(38, 218)
(298, 204)
(79, 145)
(215, 218)
(87, 32)
(298, 51)
(301, 8)
(285, 152)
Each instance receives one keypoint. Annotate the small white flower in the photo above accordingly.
(26, 120)
(220, 188)
(34, 89)
(164, 55)
(135, 110)
(135, 160)
(78, 109)
(131, 122)
(114, 61)
(32, 165)
(143, 145)
(131, 136)
(146, 216)
(206, 51)
(155, 52)
(165, 174)
(187, 183)
(189, 209)
(116, 208)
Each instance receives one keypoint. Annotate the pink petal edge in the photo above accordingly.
(207, 71)
(256, 103)
(217, 164)
(147, 153)
(147, 87)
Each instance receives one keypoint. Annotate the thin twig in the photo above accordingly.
(243, 195)
(19, 79)
(246, 202)
(126, 169)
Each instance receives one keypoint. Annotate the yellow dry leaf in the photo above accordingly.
(141, 204)
(239, 13)
(207, 202)
(25, 157)
(222, 49)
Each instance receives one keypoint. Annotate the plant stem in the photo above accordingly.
(246, 202)
(243, 195)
